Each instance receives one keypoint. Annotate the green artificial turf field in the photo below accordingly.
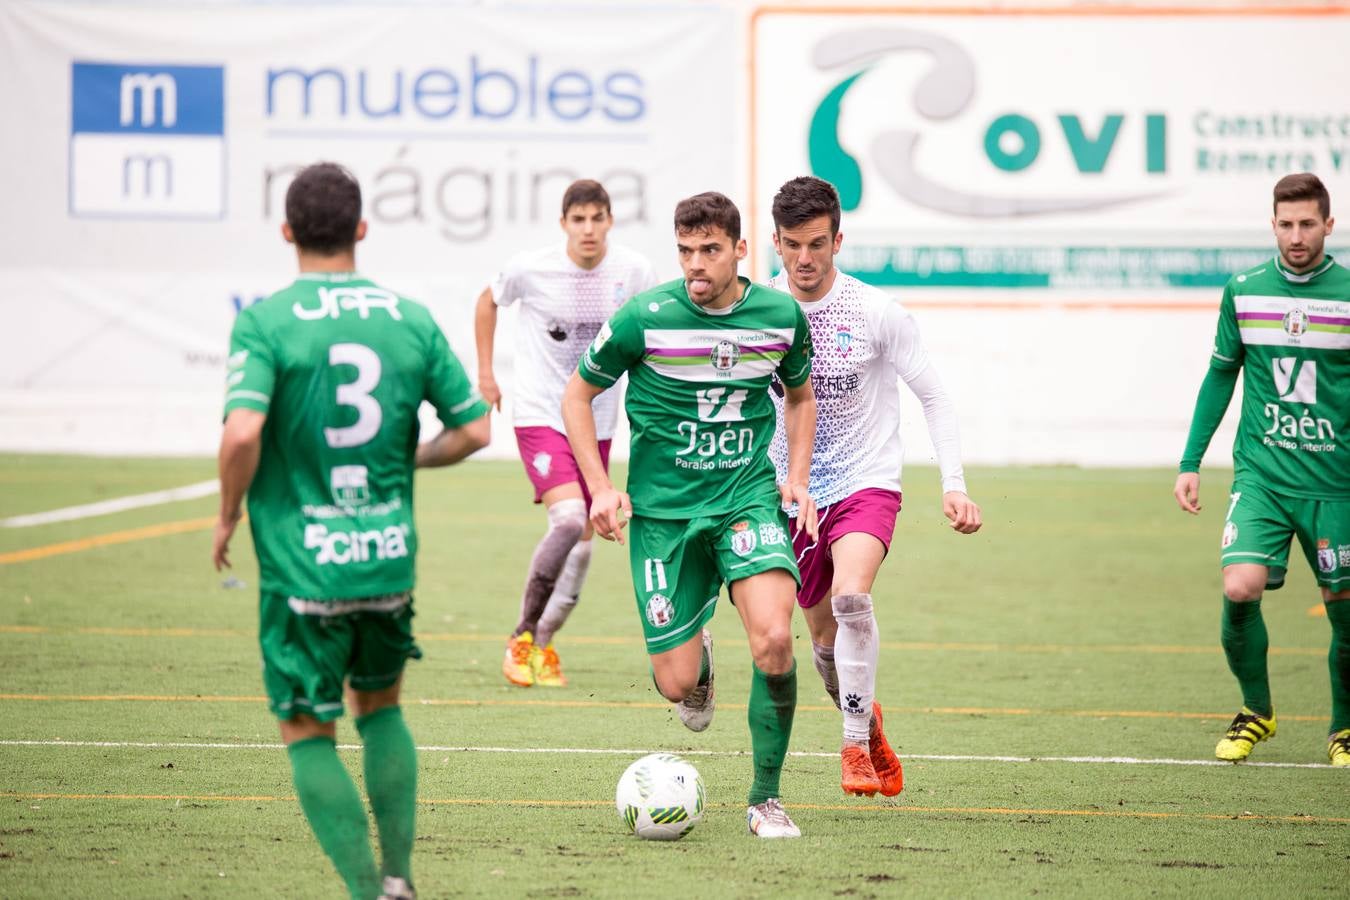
(1054, 685)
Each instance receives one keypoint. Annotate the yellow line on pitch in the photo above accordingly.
(594, 804)
(599, 640)
(105, 540)
(638, 704)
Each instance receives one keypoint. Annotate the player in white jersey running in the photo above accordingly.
(566, 292)
(864, 342)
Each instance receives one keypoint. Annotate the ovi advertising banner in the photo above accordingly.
(1076, 151)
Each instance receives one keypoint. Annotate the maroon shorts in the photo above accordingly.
(869, 511)
(549, 462)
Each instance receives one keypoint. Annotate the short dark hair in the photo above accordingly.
(323, 208)
(1303, 186)
(803, 199)
(580, 193)
(706, 211)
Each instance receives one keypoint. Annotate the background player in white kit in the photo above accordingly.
(566, 292)
(864, 340)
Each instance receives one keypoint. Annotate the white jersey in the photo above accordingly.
(562, 307)
(863, 340)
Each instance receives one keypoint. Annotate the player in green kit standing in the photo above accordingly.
(1286, 325)
(705, 508)
(325, 380)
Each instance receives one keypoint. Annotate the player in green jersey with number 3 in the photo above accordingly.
(1286, 325)
(325, 380)
(705, 507)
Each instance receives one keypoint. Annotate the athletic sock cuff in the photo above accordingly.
(305, 745)
(384, 712)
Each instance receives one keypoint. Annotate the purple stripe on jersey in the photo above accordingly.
(1329, 320)
(781, 347)
(1260, 315)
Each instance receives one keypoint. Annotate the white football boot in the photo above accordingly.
(770, 820)
(397, 889)
(696, 710)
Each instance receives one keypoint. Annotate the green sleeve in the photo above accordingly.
(616, 349)
(251, 367)
(1228, 348)
(1215, 392)
(448, 389)
(795, 367)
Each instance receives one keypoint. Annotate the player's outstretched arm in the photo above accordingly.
(455, 444)
(484, 338)
(610, 508)
(799, 422)
(240, 448)
(1187, 492)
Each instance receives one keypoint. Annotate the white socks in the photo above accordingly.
(566, 524)
(855, 655)
(566, 592)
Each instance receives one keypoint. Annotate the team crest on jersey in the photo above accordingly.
(724, 356)
(1326, 557)
(1295, 322)
(350, 485)
(843, 339)
(557, 331)
(660, 610)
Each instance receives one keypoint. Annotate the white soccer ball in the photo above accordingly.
(660, 797)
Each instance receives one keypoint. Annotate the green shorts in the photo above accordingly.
(310, 648)
(1261, 524)
(680, 565)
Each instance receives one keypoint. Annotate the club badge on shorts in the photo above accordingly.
(660, 610)
(1326, 557)
(743, 539)
(1230, 532)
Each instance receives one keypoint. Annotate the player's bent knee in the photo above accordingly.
(1243, 590)
(675, 688)
(851, 604)
(771, 651)
(567, 519)
(363, 703)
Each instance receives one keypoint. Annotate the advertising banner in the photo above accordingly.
(146, 189)
(1078, 151)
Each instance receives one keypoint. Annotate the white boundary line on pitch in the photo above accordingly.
(117, 504)
(434, 748)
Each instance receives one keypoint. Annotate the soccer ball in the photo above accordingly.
(660, 797)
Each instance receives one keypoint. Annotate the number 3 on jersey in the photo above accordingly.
(357, 395)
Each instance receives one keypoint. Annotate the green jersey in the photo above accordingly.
(1290, 334)
(698, 395)
(340, 367)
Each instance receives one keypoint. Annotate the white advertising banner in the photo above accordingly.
(145, 190)
(1071, 150)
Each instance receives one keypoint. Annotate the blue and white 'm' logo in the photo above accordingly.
(147, 141)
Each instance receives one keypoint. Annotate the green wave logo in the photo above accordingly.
(829, 160)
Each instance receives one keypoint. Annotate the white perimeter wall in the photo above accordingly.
(118, 318)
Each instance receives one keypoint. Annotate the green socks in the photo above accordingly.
(773, 700)
(1245, 643)
(391, 783)
(333, 807)
(1338, 660)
